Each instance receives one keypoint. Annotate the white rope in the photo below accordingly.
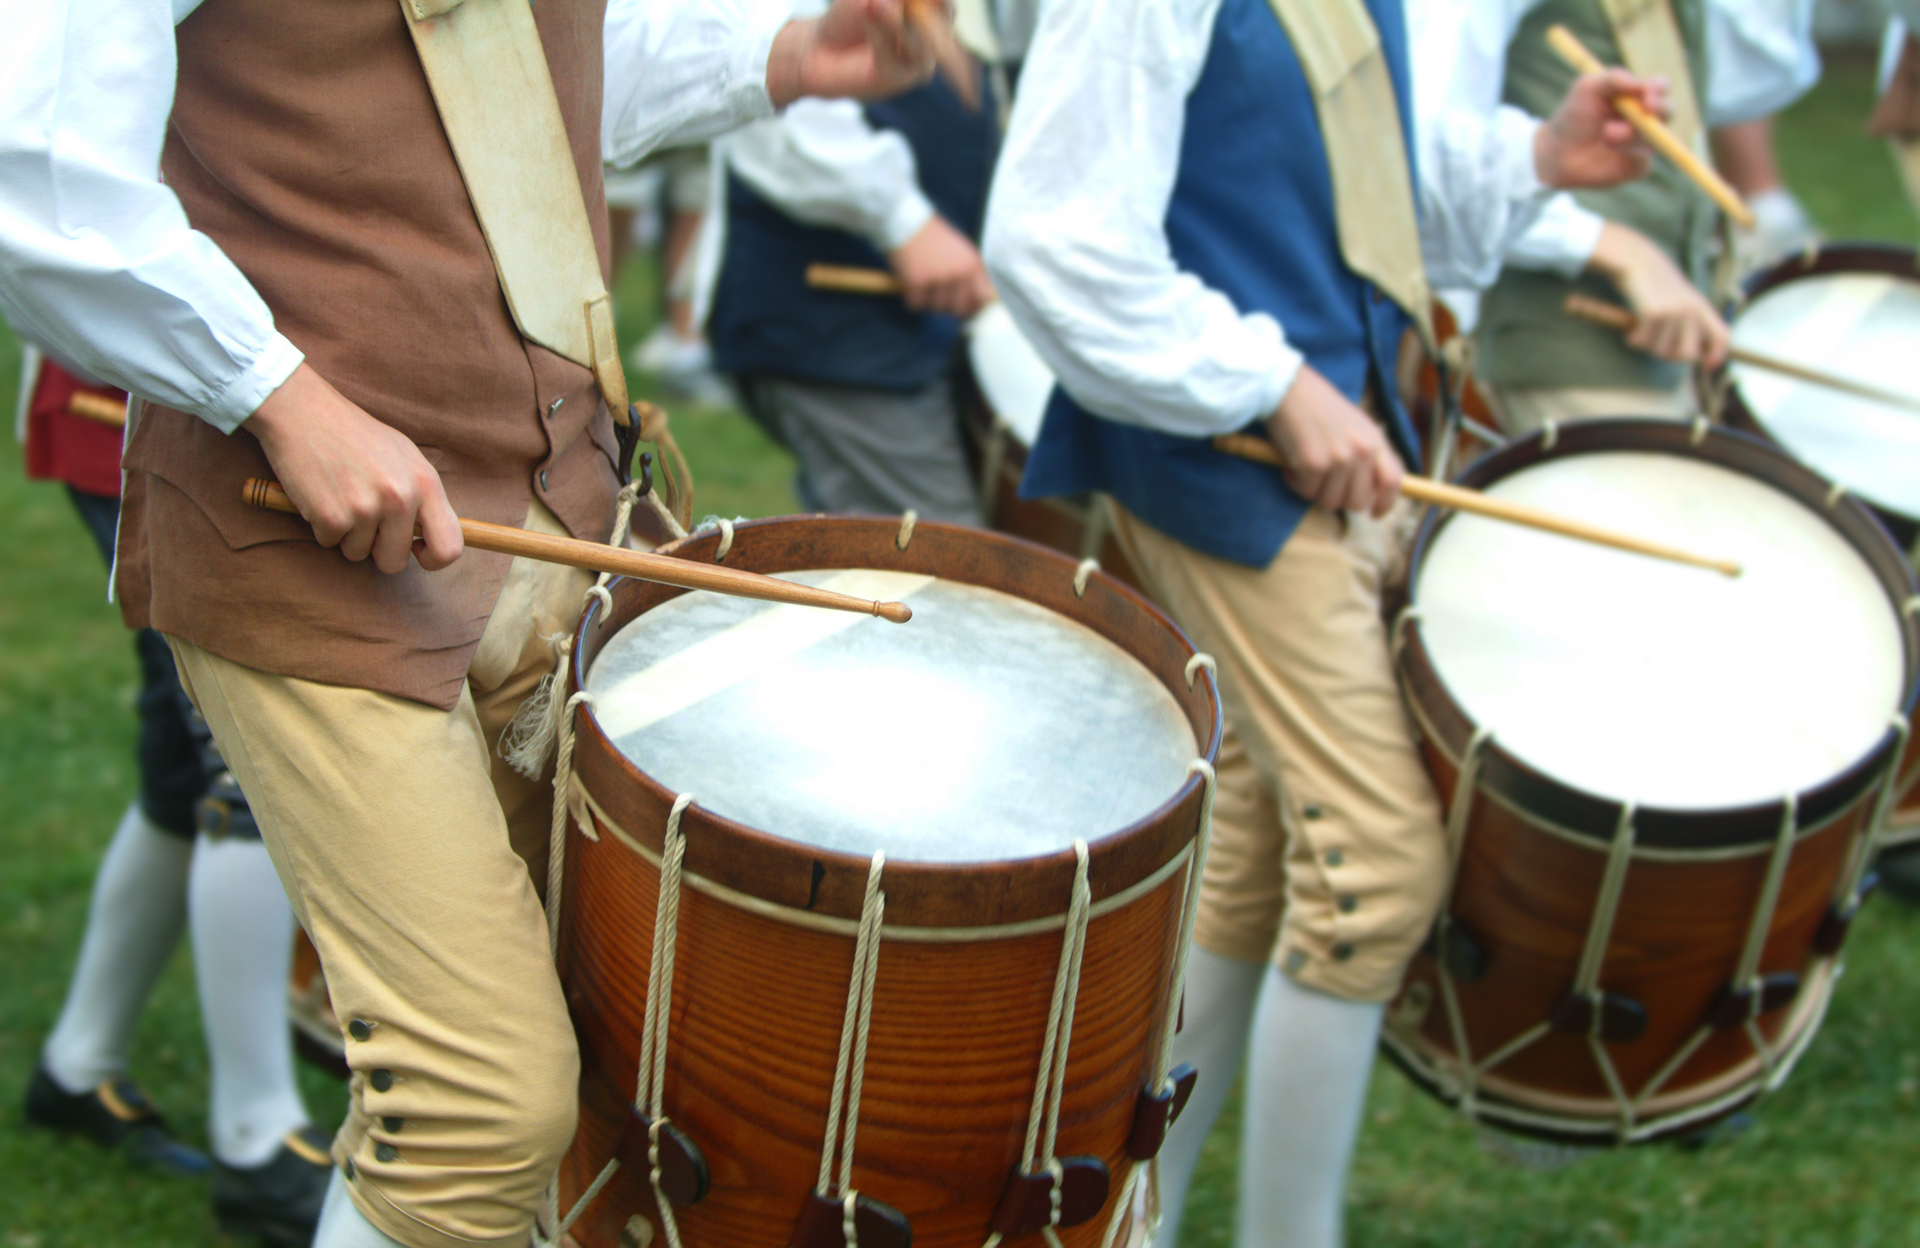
(605, 596)
(850, 1068)
(557, 824)
(650, 1081)
(1891, 785)
(1835, 493)
(1049, 1089)
(1086, 569)
(908, 519)
(1606, 908)
(1698, 433)
(1465, 784)
(726, 539)
(1549, 434)
(1199, 660)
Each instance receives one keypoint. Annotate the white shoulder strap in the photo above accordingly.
(489, 77)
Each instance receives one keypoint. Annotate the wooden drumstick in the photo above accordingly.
(1613, 316)
(98, 407)
(594, 557)
(1654, 131)
(1259, 450)
(853, 281)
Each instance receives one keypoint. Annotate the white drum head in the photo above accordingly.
(986, 728)
(1012, 376)
(1638, 680)
(1865, 326)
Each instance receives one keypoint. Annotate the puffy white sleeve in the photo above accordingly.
(821, 163)
(684, 71)
(97, 261)
(1076, 238)
(1760, 57)
(1480, 190)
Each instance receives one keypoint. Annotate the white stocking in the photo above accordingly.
(242, 948)
(139, 906)
(342, 1225)
(1306, 1089)
(1219, 1011)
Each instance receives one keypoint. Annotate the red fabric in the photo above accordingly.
(61, 446)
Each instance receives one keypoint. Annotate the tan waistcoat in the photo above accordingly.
(305, 143)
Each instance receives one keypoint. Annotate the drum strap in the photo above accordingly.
(1339, 47)
(1649, 38)
(490, 81)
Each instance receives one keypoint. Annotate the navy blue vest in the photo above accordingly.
(1252, 217)
(766, 319)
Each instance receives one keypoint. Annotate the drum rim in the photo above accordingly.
(1823, 261)
(1449, 727)
(769, 867)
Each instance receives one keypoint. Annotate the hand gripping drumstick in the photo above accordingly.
(1259, 450)
(1615, 317)
(594, 557)
(1575, 53)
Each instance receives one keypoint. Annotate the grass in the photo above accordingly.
(1834, 1159)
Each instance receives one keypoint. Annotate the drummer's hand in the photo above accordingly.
(361, 484)
(863, 49)
(1336, 454)
(1586, 143)
(940, 270)
(1676, 321)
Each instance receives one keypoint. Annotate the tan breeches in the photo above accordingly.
(413, 857)
(1525, 409)
(1328, 853)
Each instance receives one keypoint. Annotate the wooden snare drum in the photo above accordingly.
(1004, 389)
(934, 884)
(1662, 784)
(1853, 309)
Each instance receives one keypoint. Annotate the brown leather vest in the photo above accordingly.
(305, 143)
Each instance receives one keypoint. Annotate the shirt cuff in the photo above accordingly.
(1285, 372)
(765, 20)
(243, 396)
(907, 218)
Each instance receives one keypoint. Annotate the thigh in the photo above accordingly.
(1309, 687)
(877, 451)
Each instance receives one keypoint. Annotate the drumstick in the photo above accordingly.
(1614, 316)
(594, 557)
(1259, 450)
(1654, 131)
(99, 407)
(853, 281)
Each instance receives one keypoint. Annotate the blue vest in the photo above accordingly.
(766, 319)
(1252, 217)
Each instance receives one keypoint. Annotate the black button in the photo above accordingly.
(1349, 903)
(351, 1170)
(360, 1029)
(1312, 810)
(1342, 951)
(1335, 858)
(543, 478)
(381, 1080)
(385, 1152)
(393, 1123)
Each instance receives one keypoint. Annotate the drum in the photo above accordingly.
(1855, 310)
(1661, 784)
(878, 922)
(1004, 388)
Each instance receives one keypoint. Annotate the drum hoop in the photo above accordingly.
(1027, 887)
(1672, 1112)
(816, 922)
(1821, 261)
(1545, 799)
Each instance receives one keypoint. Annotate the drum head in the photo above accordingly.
(1656, 683)
(1864, 326)
(986, 728)
(1012, 376)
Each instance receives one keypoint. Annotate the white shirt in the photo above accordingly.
(97, 261)
(1760, 57)
(1076, 237)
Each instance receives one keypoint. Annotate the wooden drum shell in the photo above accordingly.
(1530, 870)
(1899, 262)
(765, 948)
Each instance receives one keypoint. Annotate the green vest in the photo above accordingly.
(1524, 339)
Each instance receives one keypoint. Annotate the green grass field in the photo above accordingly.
(1834, 1159)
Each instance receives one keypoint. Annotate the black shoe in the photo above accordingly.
(276, 1204)
(1899, 871)
(116, 1115)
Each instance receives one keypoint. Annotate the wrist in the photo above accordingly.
(786, 60)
